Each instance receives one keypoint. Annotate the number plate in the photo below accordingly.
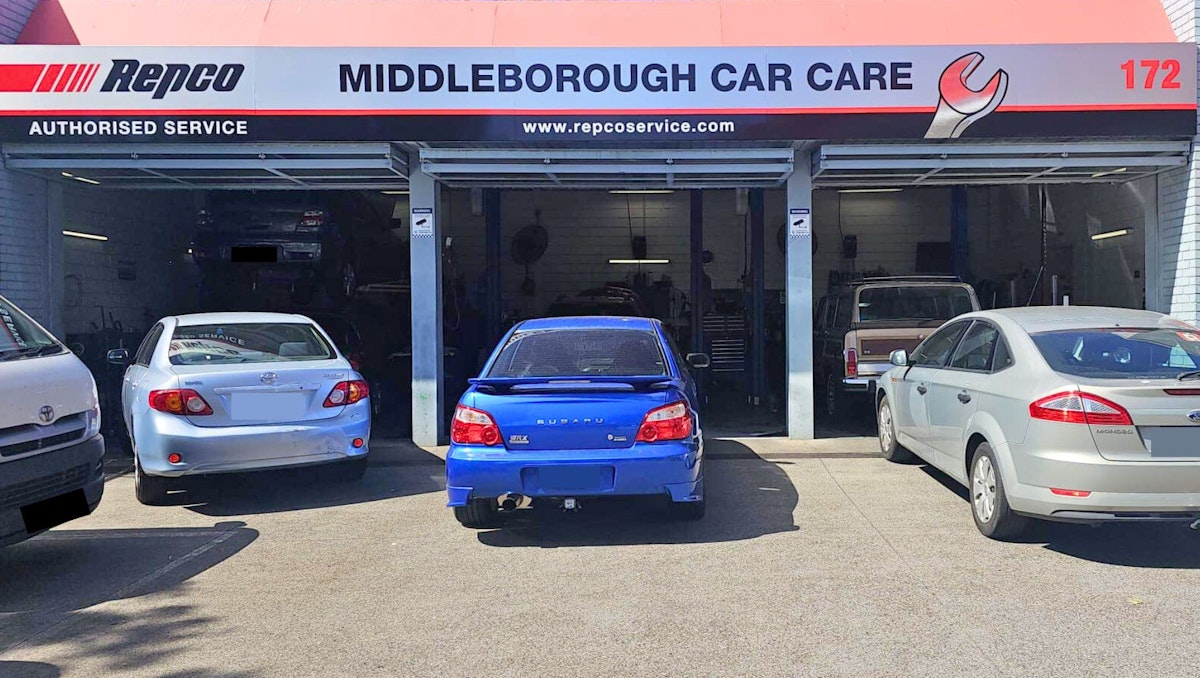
(1172, 441)
(268, 406)
(254, 255)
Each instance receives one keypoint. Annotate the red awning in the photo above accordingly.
(594, 23)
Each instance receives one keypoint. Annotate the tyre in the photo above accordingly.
(989, 503)
(351, 470)
(478, 514)
(150, 490)
(342, 283)
(892, 450)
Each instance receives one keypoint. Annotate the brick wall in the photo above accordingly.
(1179, 222)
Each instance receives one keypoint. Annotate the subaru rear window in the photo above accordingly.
(20, 336)
(580, 353)
(1121, 352)
(912, 303)
(247, 343)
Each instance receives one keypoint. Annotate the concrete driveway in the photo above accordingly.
(815, 559)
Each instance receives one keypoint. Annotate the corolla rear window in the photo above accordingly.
(247, 343)
(1120, 352)
(912, 303)
(20, 337)
(580, 353)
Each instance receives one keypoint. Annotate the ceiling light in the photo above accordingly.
(68, 175)
(1111, 234)
(641, 191)
(395, 192)
(639, 262)
(86, 236)
(870, 190)
(1097, 175)
(86, 180)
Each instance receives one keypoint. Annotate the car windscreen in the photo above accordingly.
(580, 353)
(912, 303)
(20, 337)
(247, 343)
(1120, 352)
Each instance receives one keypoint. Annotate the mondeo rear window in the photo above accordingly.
(247, 343)
(19, 336)
(580, 353)
(912, 303)
(1120, 352)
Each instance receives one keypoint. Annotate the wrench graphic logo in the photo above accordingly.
(960, 106)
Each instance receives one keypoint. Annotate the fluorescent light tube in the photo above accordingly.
(395, 192)
(870, 190)
(86, 236)
(641, 191)
(1097, 175)
(1111, 234)
(639, 261)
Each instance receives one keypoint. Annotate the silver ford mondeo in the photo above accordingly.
(225, 392)
(1063, 413)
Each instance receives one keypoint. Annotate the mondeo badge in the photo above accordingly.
(46, 414)
(1194, 415)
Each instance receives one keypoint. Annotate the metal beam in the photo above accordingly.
(428, 388)
(799, 294)
(758, 294)
(959, 149)
(439, 168)
(999, 163)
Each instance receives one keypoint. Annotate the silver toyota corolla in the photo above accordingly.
(1064, 413)
(225, 392)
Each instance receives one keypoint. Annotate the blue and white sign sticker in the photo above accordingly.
(799, 222)
(422, 222)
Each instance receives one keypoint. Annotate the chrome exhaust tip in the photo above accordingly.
(511, 501)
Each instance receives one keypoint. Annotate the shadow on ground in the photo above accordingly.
(48, 585)
(397, 469)
(747, 497)
(1155, 545)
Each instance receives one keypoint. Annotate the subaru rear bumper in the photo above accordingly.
(674, 469)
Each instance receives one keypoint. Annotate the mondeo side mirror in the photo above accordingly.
(698, 360)
(119, 356)
(899, 358)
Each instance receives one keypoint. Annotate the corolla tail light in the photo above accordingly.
(851, 362)
(312, 220)
(1074, 407)
(473, 427)
(670, 422)
(347, 393)
(183, 401)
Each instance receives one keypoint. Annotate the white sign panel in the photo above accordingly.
(799, 223)
(422, 222)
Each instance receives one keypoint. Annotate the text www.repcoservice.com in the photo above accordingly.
(605, 127)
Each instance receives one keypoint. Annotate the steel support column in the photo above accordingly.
(800, 421)
(958, 232)
(494, 244)
(758, 294)
(698, 292)
(428, 389)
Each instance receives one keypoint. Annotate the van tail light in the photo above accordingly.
(347, 393)
(1073, 407)
(473, 427)
(183, 401)
(670, 422)
(851, 362)
(312, 219)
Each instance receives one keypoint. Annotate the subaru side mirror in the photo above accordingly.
(899, 358)
(119, 356)
(698, 360)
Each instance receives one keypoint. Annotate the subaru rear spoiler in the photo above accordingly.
(567, 384)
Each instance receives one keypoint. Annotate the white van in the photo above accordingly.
(51, 450)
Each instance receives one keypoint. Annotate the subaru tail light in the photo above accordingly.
(851, 362)
(670, 422)
(312, 219)
(182, 401)
(473, 427)
(1073, 407)
(347, 393)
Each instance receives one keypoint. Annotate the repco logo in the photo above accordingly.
(130, 75)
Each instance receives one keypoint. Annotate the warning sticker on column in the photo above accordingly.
(799, 222)
(422, 222)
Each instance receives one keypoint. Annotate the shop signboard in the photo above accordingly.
(71, 94)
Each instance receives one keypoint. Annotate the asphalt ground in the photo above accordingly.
(815, 559)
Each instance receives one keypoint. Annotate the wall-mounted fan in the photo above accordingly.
(528, 245)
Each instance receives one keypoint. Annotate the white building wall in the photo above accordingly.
(1178, 234)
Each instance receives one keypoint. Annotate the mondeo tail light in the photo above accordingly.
(473, 427)
(671, 422)
(1073, 407)
(312, 219)
(347, 393)
(851, 362)
(183, 401)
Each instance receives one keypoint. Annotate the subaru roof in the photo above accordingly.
(587, 323)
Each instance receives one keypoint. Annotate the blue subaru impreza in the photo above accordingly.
(572, 408)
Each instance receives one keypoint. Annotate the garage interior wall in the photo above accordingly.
(1178, 288)
(25, 243)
